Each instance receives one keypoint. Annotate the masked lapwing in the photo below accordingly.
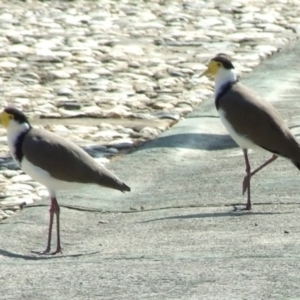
(53, 161)
(252, 122)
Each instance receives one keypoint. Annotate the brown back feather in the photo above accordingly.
(255, 118)
(66, 161)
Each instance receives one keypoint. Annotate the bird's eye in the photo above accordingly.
(219, 64)
(10, 117)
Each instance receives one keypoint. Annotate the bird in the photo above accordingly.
(252, 122)
(53, 161)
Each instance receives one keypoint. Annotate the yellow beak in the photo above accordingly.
(4, 119)
(206, 72)
(212, 68)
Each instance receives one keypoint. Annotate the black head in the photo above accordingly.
(16, 114)
(224, 60)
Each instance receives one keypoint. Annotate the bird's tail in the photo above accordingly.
(296, 164)
(125, 187)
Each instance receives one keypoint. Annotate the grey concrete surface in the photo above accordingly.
(175, 236)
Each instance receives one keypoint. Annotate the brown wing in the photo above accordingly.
(65, 160)
(255, 118)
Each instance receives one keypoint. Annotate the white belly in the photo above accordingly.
(44, 177)
(241, 140)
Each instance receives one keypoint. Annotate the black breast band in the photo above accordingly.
(224, 89)
(18, 146)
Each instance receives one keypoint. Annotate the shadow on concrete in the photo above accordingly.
(191, 141)
(214, 215)
(41, 257)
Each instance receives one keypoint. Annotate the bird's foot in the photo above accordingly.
(58, 250)
(47, 251)
(246, 208)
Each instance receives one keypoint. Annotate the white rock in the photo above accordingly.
(7, 65)
(19, 50)
(64, 91)
(19, 187)
(10, 173)
(148, 131)
(91, 76)
(60, 74)
(43, 193)
(17, 92)
(106, 135)
(80, 129)
(21, 178)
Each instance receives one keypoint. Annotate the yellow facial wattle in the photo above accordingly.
(5, 118)
(212, 68)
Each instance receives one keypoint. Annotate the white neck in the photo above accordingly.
(223, 77)
(13, 132)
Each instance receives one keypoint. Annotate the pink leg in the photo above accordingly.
(247, 179)
(48, 248)
(245, 182)
(54, 209)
